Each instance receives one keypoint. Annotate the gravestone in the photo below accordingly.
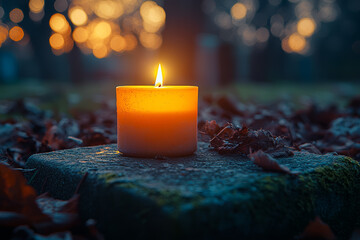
(203, 196)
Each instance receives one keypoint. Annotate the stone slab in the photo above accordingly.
(203, 196)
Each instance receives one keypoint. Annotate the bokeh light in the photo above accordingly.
(223, 20)
(3, 34)
(153, 16)
(61, 5)
(36, 17)
(306, 27)
(16, 15)
(80, 34)
(285, 45)
(97, 27)
(328, 12)
(36, 6)
(249, 36)
(238, 11)
(58, 23)
(101, 30)
(100, 51)
(262, 35)
(108, 9)
(123, 25)
(69, 43)
(78, 16)
(297, 43)
(252, 21)
(16, 33)
(131, 42)
(152, 28)
(304, 9)
(2, 12)
(118, 43)
(57, 41)
(150, 40)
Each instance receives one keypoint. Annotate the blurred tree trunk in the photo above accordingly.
(39, 33)
(259, 66)
(227, 63)
(77, 73)
(51, 67)
(184, 21)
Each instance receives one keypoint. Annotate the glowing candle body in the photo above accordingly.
(157, 121)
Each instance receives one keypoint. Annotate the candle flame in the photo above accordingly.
(159, 77)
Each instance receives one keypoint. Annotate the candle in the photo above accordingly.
(157, 120)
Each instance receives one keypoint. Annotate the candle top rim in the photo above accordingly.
(151, 87)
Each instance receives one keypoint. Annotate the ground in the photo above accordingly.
(202, 196)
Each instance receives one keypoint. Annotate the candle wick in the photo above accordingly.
(158, 85)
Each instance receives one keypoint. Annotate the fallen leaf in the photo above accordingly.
(309, 148)
(210, 128)
(63, 213)
(229, 105)
(17, 196)
(19, 205)
(267, 163)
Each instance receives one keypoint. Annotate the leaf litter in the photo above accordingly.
(261, 132)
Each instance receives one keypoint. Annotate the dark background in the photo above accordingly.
(202, 44)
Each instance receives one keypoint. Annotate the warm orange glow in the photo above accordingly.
(285, 45)
(118, 43)
(80, 35)
(156, 14)
(130, 5)
(153, 16)
(102, 30)
(297, 43)
(101, 27)
(150, 40)
(25, 40)
(173, 125)
(108, 9)
(69, 44)
(238, 11)
(16, 15)
(159, 78)
(58, 23)
(16, 33)
(100, 52)
(131, 42)
(78, 16)
(3, 34)
(57, 41)
(151, 28)
(93, 42)
(145, 7)
(57, 52)
(36, 6)
(306, 27)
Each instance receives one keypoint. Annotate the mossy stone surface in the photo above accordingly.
(203, 196)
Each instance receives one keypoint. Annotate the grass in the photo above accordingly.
(63, 96)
